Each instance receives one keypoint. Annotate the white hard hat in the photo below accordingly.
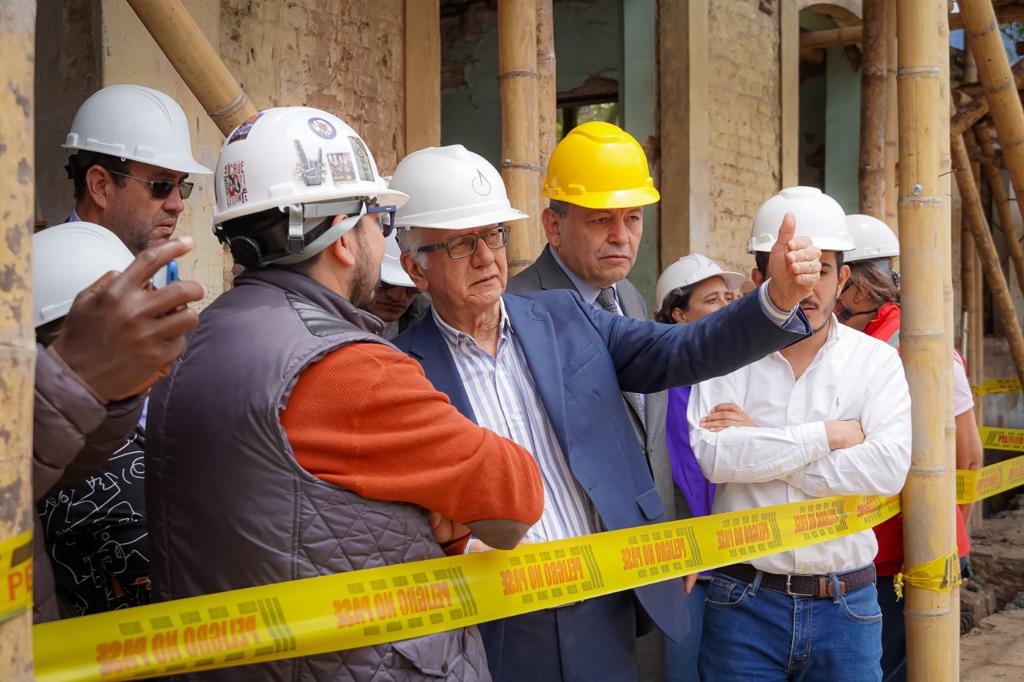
(391, 270)
(690, 270)
(818, 216)
(874, 239)
(451, 188)
(303, 161)
(136, 123)
(66, 259)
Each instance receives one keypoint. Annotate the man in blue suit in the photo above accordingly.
(546, 370)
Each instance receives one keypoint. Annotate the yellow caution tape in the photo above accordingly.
(1002, 439)
(15, 575)
(371, 606)
(977, 484)
(362, 608)
(937, 575)
(996, 386)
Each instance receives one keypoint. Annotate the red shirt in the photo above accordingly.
(889, 534)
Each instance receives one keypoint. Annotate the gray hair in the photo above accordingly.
(559, 207)
(409, 240)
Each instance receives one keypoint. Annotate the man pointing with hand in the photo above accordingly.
(829, 415)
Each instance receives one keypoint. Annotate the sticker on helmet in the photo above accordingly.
(342, 169)
(362, 159)
(323, 128)
(480, 184)
(242, 131)
(235, 192)
(311, 172)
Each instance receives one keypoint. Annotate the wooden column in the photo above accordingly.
(520, 161)
(929, 495)
(1002, 201)
(547, 89)
(891, 118)
(195, 60)
(17, 338)
(871, 171)
(422, 74)
(975, 216)
(971, 295)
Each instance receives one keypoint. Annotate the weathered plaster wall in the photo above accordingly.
(745, 125)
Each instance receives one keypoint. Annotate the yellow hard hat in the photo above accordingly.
(600, 165)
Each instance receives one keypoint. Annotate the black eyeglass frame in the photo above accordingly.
(389, 210)
(165, 186)
(501, 230)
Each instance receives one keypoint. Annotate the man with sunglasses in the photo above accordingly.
(291, 440)
(545, 369)
(132, 158)
(132, 154)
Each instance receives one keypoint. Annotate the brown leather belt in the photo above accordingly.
(820, 586)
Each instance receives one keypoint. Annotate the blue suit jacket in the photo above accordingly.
(581, 358)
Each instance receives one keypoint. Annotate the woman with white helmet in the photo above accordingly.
(870, 302)
(689, 289)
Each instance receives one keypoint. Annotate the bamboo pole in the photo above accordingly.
(517, 66)
(871, 172)
(928, 496)
(986, 44)
(195, 60)
(17, 341)
(966, 117)
(891, 118)
(971, 283)
(547, 92)
(1002, 202)
(990, 266)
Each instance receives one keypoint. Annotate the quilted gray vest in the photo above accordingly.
(229, 506)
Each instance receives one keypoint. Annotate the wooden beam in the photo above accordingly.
(17, 338)
(891, 119)
(1001, 199)
(871, 170)
(965, 118)
(422, 74)
(789, 20)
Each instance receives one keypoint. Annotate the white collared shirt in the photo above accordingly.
(786, 457)
(504, 398)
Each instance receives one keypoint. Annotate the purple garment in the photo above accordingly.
(698, 491)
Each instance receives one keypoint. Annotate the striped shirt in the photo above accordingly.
(504, 398)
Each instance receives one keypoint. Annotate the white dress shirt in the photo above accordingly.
(786, 457)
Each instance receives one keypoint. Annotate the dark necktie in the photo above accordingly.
(606, 299)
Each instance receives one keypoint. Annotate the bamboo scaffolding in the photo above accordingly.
(17, 340)
(986, 44)
(871, 172)
(975, 217)
(547, 93)
(517, 66)
(195, 60)
(852, 35)
(966, 117)
(971, 295)
(891, 118)
(928, 496)
(1002, 201)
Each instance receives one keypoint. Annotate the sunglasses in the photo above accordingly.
(161, 189)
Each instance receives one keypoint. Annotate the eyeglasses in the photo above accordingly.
(161, 189)
(385, 217)
(464, 245)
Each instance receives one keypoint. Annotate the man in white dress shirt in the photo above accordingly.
(829, 415)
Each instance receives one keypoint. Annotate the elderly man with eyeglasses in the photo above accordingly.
(545, 369)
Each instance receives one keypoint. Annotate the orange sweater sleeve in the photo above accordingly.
(366, 418)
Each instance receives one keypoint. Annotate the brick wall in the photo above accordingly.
(745, 117)
(345, 57)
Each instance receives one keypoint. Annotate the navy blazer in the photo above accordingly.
(580, 358)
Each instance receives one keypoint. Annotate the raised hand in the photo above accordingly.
(121, 336)
(794, 266)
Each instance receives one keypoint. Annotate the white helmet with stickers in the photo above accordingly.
(309, 165)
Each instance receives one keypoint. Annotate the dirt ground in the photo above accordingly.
(995, 649)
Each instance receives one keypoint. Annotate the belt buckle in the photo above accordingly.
(789, 586)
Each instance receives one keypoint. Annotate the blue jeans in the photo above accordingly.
(756, 634)
(681, 657)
